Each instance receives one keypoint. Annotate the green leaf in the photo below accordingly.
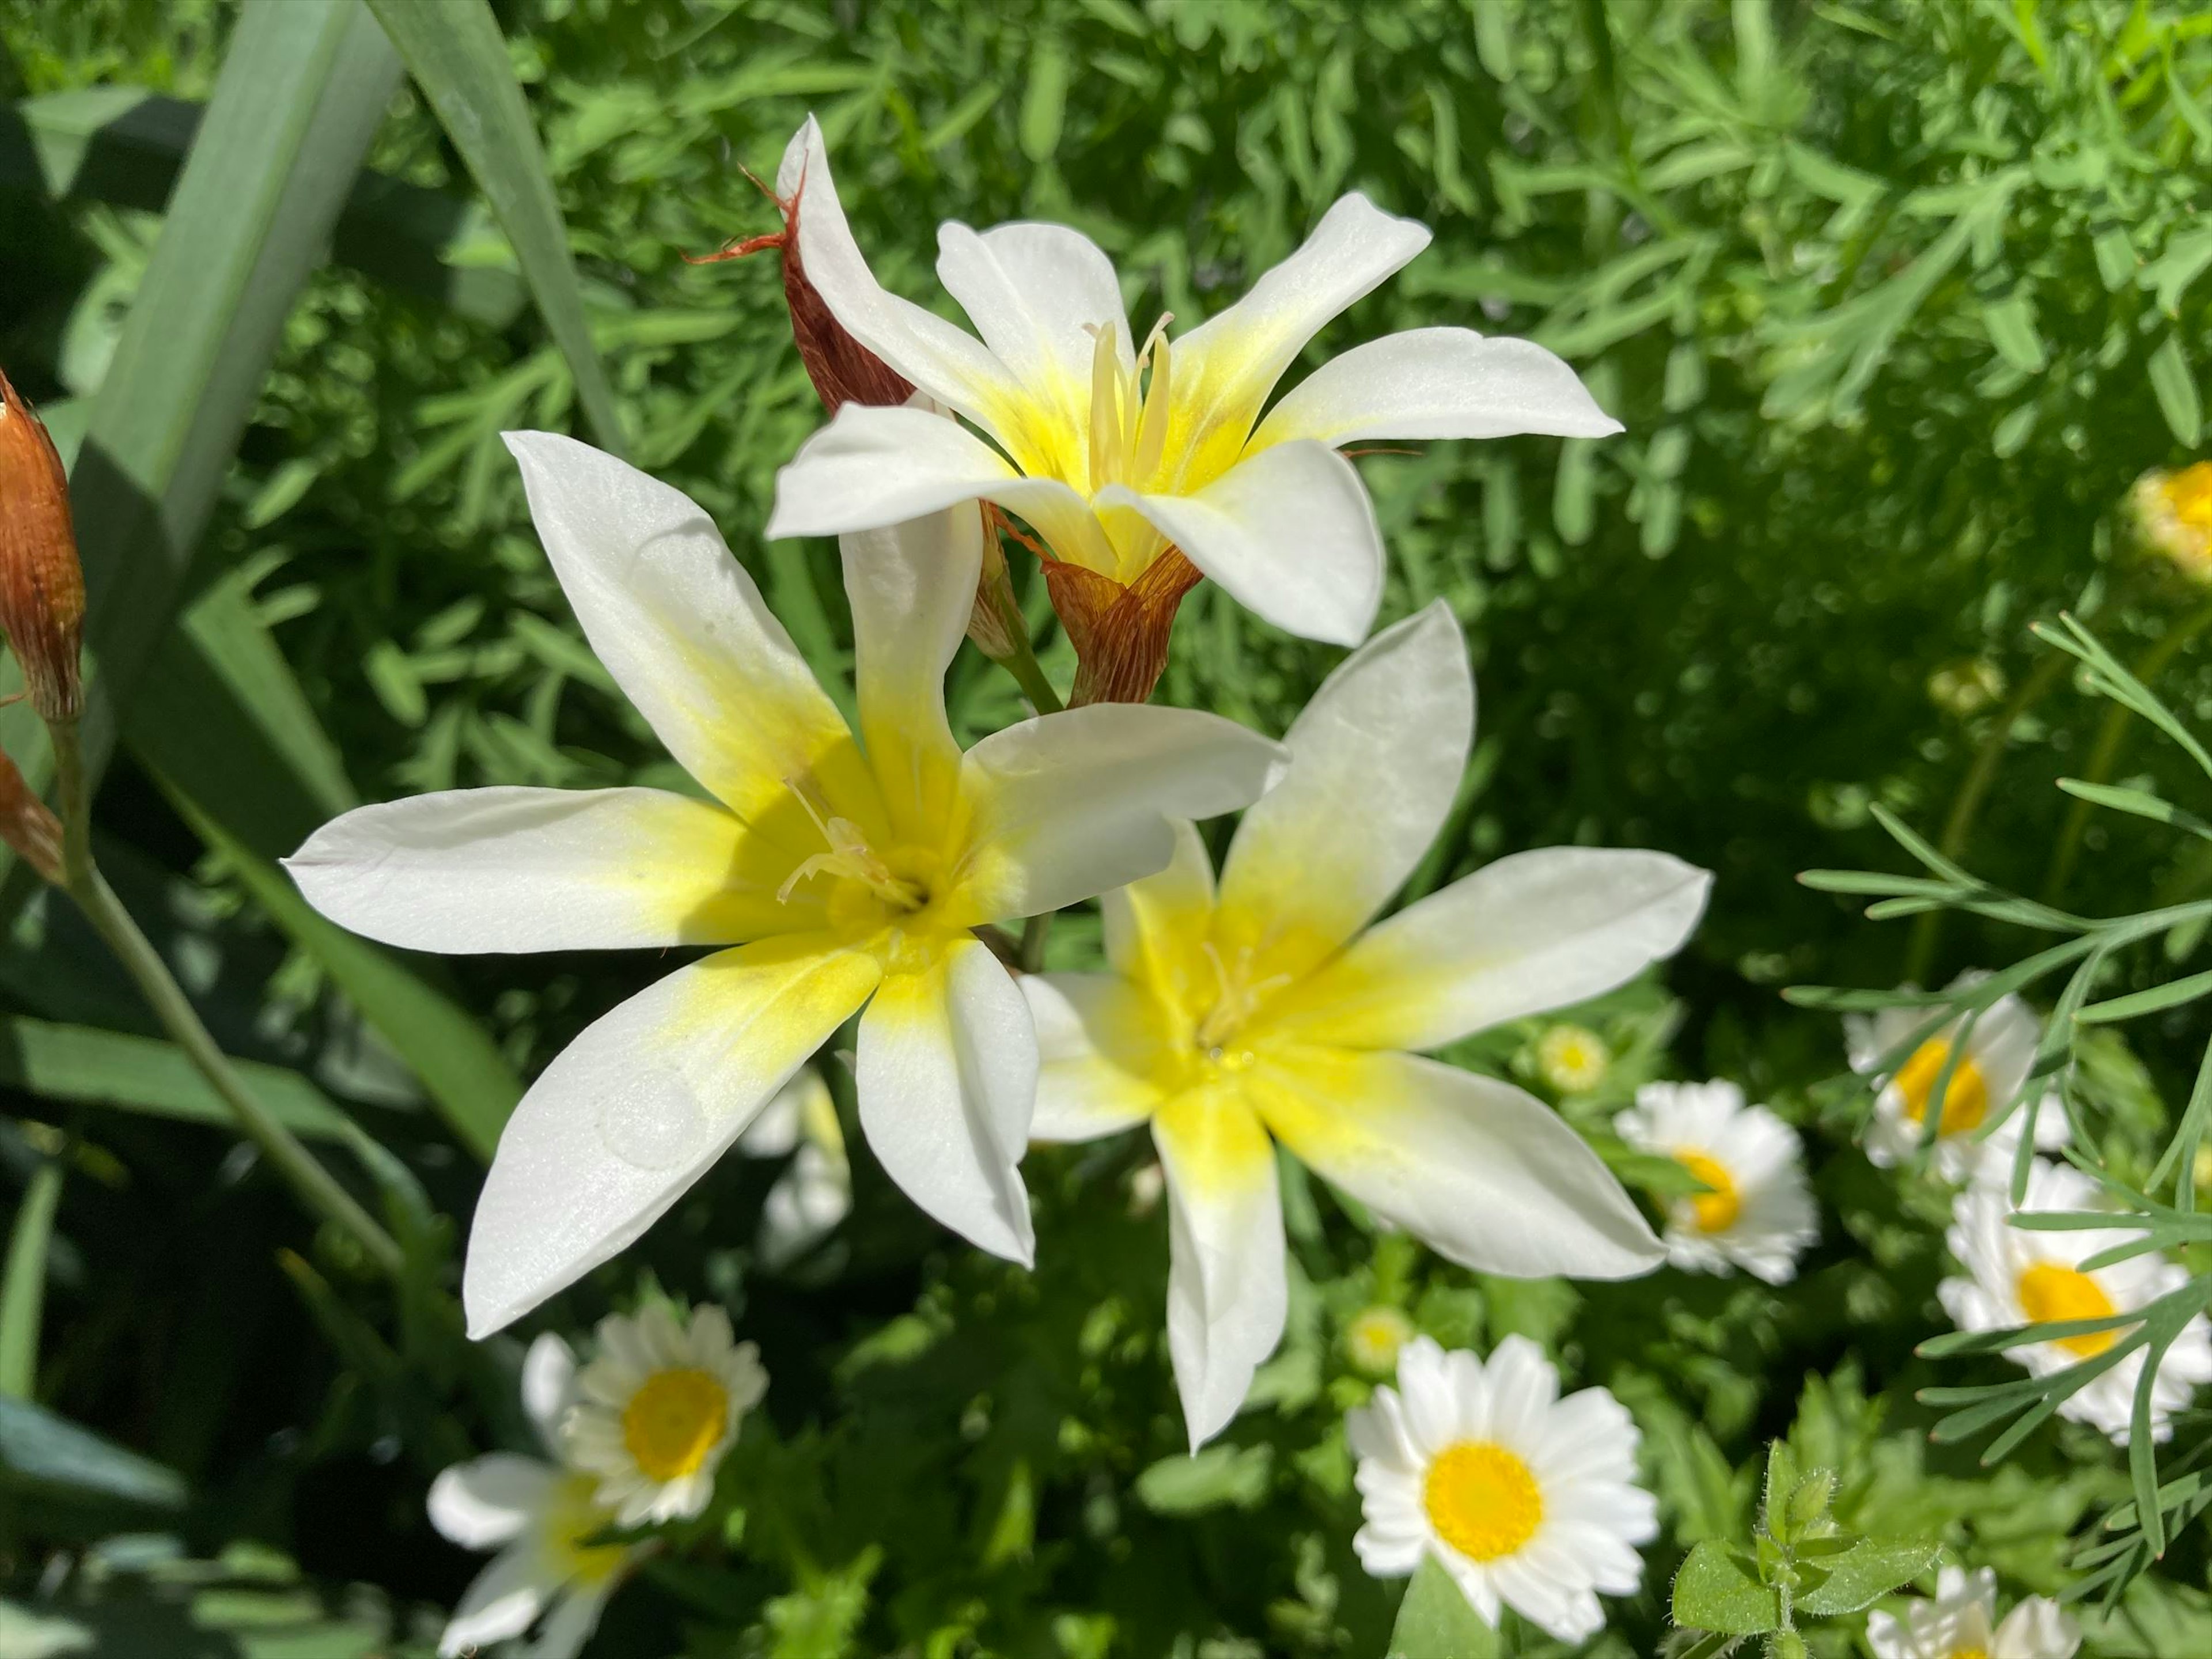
(1435, 1620)
(464, 1072)
(88, 1066)
(23, 1286)
(2172, 994)
(1044, 104)
(458, 57)
(2139, 802)
(1206, 1479)
(2175, 386)
(1862, 1574)
(1718, 1588)
(42, 1452)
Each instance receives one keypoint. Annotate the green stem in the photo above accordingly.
(23, 1288)
(1034, 931)
(317, 1188)
(1027, 671)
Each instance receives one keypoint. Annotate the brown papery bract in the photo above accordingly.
(41, 582)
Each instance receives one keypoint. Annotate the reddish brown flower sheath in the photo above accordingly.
(41, 583)
(26, 825)
(1120, 634)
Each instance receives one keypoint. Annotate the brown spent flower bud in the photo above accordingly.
(27, 825)
(996, 615)
(1120, 633)
(41, 583)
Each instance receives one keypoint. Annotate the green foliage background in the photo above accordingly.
(1896, 301)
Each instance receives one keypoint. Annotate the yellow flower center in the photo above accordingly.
(2049, 1292)
(1482, 1499)
(1968, 1653)
(1965, 1101)
(1572, 1058)
(1717, 1210)
(1128, 419)
(2188, 496)
(1237, 997)
(674, 1421)
(850, 858)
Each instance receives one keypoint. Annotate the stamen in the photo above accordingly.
(1153, 429)
(1105, 405)
(849, 856)
(1236, 998)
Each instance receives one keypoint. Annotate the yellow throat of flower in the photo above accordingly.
(1965, 1101)
(1716, 1211)
(1968, 1653)
(1239, 994)
(2050, 1292)
(1482, 1499)
(673, 1422)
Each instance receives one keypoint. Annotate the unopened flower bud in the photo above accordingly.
(2172, 514)
(41, 583)
(1372, 1338)
(27, 825)
(1572, 1058)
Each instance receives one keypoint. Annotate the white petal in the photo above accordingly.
(631, 1112)
(912, 589)
(1290, 533)
(549, 1385)
(2038, 1628)
(1536, 931)
(1376, 760)
(681, 626)
(1227, 1294)
(1231, 363)
(1159, 927)
(500, 1602)
(1094, 1034)
(951, 366)
(1068, 806)
(1436, 383)
(1483, 1172)
(483, 1503)
(948, 1066)
(1033, 292)
(871, 467)
(515, 869)
(570, 1625)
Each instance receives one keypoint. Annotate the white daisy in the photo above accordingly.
(1961, 1623)
(1759, 1215)
(2023, 1277)
(1999, 1051)
(1525, 1498)
(537, 1515)
(657, 1407)
(814, 1192)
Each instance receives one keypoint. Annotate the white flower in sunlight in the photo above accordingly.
(1525, 1498)
(815, 1192)
(848, 873)
(1372, 1338)
(1116, 451)
(1961, 1623)
(1759, 1214)
(1998, 1053)
(657, 1408)
(1270, 1010)
(537, 1515)
(1572, 1058)
(2017, 1277)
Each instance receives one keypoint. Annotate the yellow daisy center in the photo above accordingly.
(2049, 1292)
(1968, 1653)
(1482, 1499)
(1965, 1101)
(674, 1421)
(2188, 495)
(1717, 1210)
(1572, 1058)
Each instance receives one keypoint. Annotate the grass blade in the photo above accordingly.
(23, 1283)
(88, 1066)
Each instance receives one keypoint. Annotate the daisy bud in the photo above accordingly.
(26, 826)
(41, 584)
(2172, 514)
(1372, 1338)
(1572, 1058)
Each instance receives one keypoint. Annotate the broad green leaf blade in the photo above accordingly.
(1718, 1588)
(41, 1452)
(1858, 1577)
(23, 1284)
(88, 1067)
(1217, 1475)
(1436, 1622)
(464, 1073)
(458, 58)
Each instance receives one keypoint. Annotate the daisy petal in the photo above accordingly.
(948, 1066)
(1226, 1291)
(1390, 731)
(1290, 534)
(1532, 932)
(485, 1501)
(1069, 806)
(1436, 383)
(682, 628)
(570, 1625)
(1483, 1172)
(468, 871)
(549, 1385)
(1087, 1024)
(630, 1114)
(501, 1602)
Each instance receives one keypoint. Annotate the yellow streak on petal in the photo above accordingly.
(1219, 1145)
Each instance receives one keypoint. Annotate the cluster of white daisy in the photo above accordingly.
(634, 1437)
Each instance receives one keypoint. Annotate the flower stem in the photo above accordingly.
(1034, 931)
(316, 1186)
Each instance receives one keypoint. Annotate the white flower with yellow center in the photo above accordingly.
(1756, 1213)
(2016, 1277)
(848, 872)
(1572, 1058)
(656, 1409)
(538, 1515)
(1116, 450)
(1525, 1498)
(1961, 1623)
(1998, 1052)
(815, 1191)
(1269, 1009)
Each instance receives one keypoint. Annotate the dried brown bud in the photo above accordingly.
(1120, 633)
(992, 623)
(26, 826)
(41, 583)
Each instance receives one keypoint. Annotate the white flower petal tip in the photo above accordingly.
(1757, 1213)
(1528, 1500)
(1960, 1618)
